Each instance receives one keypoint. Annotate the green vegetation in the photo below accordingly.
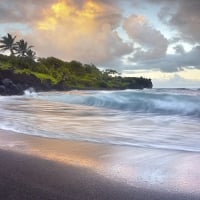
(61, 74)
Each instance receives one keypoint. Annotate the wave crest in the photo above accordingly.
(136, 101)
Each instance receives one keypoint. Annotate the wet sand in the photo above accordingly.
(38, 168)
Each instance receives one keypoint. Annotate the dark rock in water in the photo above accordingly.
(2, 90)
(15, 84)
(9, 88)
(7, 82)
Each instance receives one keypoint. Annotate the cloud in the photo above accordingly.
(172, 62)
(179, 49)
(22, 11)
(185, 18)
(85, 32)
(153, 43)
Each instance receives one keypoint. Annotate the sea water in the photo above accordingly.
(157, 118)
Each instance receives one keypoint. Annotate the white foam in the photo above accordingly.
(30, 92)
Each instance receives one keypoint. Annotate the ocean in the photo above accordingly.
(152, 118)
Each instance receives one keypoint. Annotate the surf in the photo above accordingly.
(158, 119)
(162, 102)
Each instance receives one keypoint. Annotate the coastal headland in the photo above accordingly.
(46, 74)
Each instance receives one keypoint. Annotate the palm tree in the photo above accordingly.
(31, 54)
(8, 43)
(22, 48)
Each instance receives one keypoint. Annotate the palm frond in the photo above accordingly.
(8, 43)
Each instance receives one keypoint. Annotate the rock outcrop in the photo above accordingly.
(15, 84)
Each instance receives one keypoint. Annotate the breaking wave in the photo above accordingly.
(159, 102)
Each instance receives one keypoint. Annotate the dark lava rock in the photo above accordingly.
(15, 84)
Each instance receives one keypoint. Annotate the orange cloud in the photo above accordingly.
(85, 33)
(84, 18)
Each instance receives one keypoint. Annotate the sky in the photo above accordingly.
(157, 39)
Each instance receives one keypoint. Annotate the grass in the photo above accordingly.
(44, 77)
(4, 66)
(41, 76)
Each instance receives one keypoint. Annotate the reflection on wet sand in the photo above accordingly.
(174, 171)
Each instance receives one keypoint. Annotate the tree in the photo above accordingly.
(22, 48)
(111, 72)
(31, 54)
(8, 43)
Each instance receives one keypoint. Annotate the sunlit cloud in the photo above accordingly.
(85, 33)
(63, 12)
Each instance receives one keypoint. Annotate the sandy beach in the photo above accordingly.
(39, 168)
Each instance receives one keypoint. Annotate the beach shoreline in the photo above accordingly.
(41, 168)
